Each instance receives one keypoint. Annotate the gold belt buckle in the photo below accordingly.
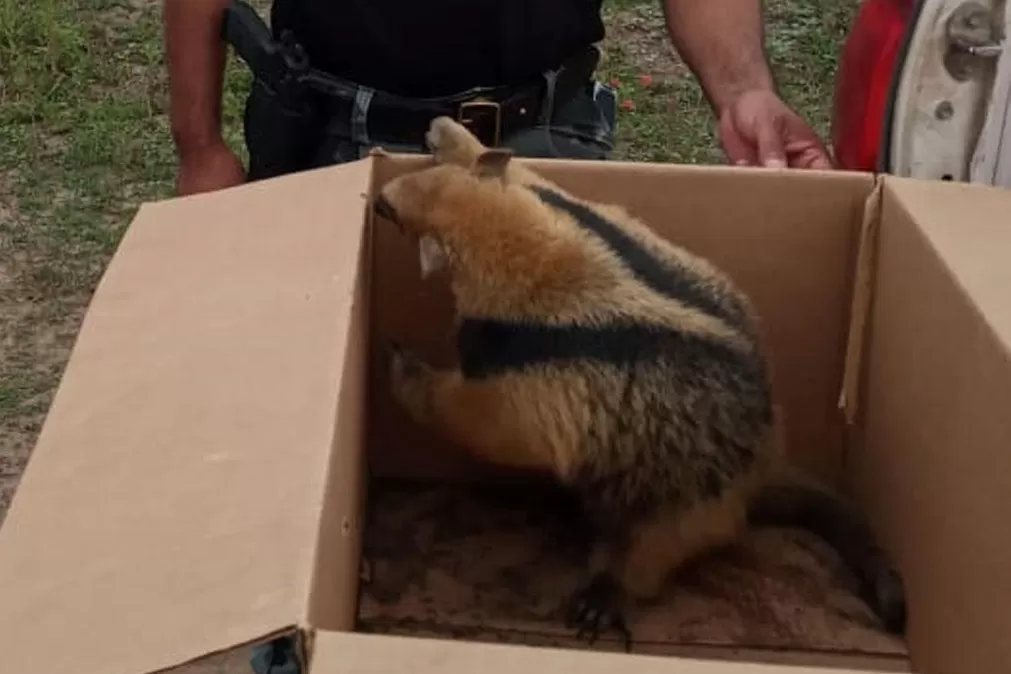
(476, 114)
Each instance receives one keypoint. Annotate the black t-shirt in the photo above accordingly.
(438, 47)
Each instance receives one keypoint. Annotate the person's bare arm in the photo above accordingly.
(723, 43)
(195, 55)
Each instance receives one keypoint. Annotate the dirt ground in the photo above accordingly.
(85, 140)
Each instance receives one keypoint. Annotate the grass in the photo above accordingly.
(671, 120)
(84, 139)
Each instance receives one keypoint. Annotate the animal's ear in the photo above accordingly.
(492, 162)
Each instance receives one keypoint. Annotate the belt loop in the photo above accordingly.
(548, 106)
(360, 115)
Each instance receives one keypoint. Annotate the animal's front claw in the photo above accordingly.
(404, 365)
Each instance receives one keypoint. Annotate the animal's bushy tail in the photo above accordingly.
(798, 502)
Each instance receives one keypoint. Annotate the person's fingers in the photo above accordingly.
(769, 137)
(737, 149)
(816, 159)
(762, 131)
(804, 149)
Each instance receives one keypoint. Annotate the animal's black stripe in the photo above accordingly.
(644, 266)
(488, 347)
(492, 347)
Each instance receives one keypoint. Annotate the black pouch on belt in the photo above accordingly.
(282, 121)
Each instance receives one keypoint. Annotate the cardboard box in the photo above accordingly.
(200, 480)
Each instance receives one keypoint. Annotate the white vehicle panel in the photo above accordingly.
(937, 116)
(991, 161)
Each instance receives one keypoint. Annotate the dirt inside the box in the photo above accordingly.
(497, 563)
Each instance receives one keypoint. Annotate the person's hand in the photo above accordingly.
(759, 129)
(209, 168)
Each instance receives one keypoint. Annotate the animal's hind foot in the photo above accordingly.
(596, 608)
(451, 142)
(887, 596)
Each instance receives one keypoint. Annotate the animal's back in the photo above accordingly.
(660, 396)
(657, 262)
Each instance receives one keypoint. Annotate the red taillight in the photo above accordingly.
(864, 81)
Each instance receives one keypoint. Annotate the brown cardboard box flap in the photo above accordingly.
(860, 304)
(343, 653)
(173, 501)
(933, 469)
(970, 225)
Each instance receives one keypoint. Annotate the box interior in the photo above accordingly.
(455, 549)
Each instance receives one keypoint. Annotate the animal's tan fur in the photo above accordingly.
(556, 273)
(652, 401)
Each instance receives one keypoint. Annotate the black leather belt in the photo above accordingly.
(491, 113)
